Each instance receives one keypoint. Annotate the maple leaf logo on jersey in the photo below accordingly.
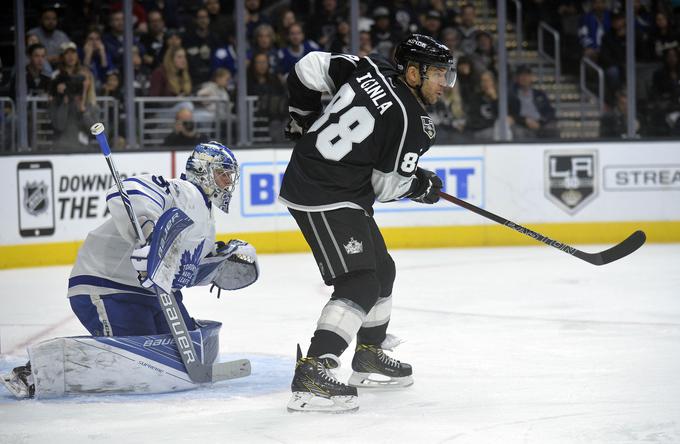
(354, 246)
(428, 126)
(188, 268)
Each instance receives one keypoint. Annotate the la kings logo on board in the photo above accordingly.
(36, 200)
(570, 178)
(428, 126)
(354, 246)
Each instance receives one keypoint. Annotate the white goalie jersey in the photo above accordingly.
(103, 265)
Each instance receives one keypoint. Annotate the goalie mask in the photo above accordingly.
(213, 167)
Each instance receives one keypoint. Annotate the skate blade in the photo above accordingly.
(377, 381)
(309, 402)
(16, 388)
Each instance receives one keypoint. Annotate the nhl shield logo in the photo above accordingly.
(35, 197)
(570, 178)
(428, 126)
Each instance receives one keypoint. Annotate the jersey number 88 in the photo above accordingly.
(355, 124)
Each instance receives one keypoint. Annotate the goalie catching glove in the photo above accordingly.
(230, 266)
(427, 186)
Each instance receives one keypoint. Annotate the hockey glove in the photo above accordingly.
(427, 187)
(298, 125)
(139, 259)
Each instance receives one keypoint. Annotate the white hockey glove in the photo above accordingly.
(139, 256)
(139, 259)
(232, 266)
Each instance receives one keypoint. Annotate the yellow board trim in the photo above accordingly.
(64, 253)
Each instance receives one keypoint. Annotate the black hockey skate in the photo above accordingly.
(374, 369)
(315, 388)
(20, 382)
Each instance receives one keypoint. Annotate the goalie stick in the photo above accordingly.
(197, 370)
(622, 249)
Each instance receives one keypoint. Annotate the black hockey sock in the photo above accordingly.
(372, 335)
(324, 342)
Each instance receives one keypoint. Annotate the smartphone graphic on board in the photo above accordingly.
(35, 187)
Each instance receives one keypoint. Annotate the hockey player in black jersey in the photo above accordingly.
(363, 147)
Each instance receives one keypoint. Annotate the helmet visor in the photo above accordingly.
(444, 75)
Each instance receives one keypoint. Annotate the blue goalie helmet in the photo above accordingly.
(213, 167)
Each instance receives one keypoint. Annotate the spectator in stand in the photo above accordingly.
(432, 24)
(171, 79)
(665, 95)
(665, 36)
(341, 42)
(383, 34)
(405, 15)
(200, 45)
(37, 82)
(323, 22)
(297, 48)
(80, 17)
(271, 95)
(449, 116)
(95, 57)
(184, 133)
(138, 15)
(643, 32)
(224, 57)
(594, 25)
(111, 87)
(153, 39)
(468, 29)
(49, 35)
(173, 40)
(447, 9)
(254, 17)
(613, 55)
(484, 56)
(614, 122)
(569, 14)
(452, 39)
(32, 39)
(365, 23)
(468, 80)
(286, 18)
(530, 108)
(221, 25)
(113, 40)
(365, 44)
(141, 73)
(482, 112)
(217, 88)
(263, 42)
(72, 106)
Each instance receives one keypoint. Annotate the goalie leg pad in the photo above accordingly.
(117, 365)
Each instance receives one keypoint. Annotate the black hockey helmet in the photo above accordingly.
(425, 51)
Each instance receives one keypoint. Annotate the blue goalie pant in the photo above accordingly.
(125, 314)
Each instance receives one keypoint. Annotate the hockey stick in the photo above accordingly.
(198, 372)
(622, 249)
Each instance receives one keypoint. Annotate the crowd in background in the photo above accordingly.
(187, 48)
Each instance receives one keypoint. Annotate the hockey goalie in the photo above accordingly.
(117, 288)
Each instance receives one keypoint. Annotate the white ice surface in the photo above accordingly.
(509, 345)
